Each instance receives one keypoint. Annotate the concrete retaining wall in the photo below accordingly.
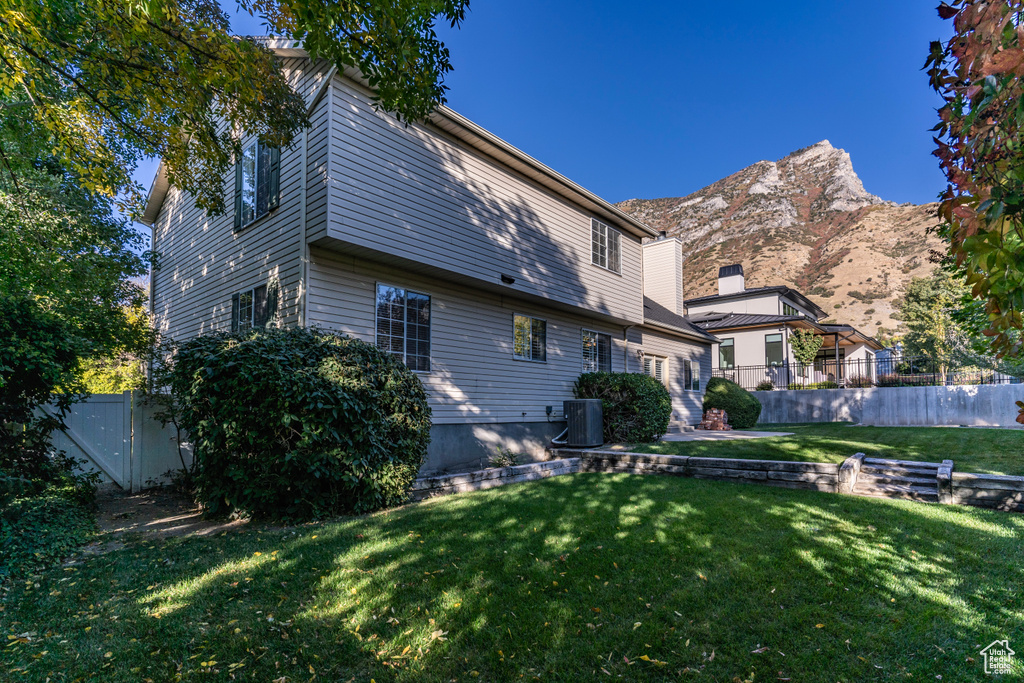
(988, 491)
(990, 405)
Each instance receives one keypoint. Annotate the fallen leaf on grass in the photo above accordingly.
(759, 650)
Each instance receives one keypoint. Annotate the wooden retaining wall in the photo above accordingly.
(818, 476)
(988, 491)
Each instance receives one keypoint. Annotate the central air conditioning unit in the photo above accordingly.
(585, 420)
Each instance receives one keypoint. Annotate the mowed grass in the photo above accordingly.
(986, 451)
(581, 577)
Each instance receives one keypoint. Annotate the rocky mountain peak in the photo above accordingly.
(804, 221)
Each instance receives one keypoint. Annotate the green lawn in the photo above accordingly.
(990, 451)
(647, 578)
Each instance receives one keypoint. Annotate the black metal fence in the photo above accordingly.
(826, 373)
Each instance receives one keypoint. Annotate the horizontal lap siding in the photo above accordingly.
(473, 376)
(415, 193)
(687, 406)
(203, 261)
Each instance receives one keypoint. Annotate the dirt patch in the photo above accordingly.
(154, 514)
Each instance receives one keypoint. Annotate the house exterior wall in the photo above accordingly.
(416, 193)
(203, 260)
(766, 304)
(663, 273)
(687, 405)
(749, 345)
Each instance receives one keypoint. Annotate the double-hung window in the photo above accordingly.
(597, 351)
(656, 367)
(254, 308)
(773, 350)
(727, 354)
(691, 375)
(257, 183)
(529, 338)
(403, 325)
(605, 246)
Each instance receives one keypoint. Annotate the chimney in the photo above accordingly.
(663, 272)
(730, 279)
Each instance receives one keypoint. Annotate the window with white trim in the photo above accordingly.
(605, 246)
(656, 367)
(403, 325)
(529, 338)
(597, 351)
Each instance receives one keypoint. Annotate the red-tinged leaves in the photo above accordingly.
(947, 12)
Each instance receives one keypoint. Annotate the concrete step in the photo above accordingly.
(902, 463)
(925, 472)
(872, 478)
(922, 493)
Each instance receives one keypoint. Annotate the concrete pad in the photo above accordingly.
(702, 435)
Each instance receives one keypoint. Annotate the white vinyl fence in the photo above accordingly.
(116, 435)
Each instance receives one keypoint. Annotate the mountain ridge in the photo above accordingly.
(804, 221)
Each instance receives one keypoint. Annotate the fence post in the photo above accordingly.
(127, 461)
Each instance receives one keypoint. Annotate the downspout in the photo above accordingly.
(625, 347)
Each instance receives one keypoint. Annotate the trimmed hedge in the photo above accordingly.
(637, 408)
(742, 407)
(298, 423)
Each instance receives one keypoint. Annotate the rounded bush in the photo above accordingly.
(766, 385)
(636, 407)
(298, 423)
(742, 407)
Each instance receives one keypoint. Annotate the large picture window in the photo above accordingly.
(257, 183)
(529, 338)
(403, 325)
(597, 351)
(606, 246)
(773, 350)
(727, 354)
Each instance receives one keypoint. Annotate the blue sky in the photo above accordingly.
(662, 98)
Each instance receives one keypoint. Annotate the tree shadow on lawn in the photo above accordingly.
(556, 579)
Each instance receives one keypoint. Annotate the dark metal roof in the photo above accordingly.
(785, 291)
(724, 321)
(734, 269)
(657, 314)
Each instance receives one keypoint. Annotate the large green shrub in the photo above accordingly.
(636, 407)
(297, 423)
(742, 407)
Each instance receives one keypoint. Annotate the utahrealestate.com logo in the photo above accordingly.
(998, 658)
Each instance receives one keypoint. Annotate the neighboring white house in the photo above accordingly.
(497, 279)
(754, 328)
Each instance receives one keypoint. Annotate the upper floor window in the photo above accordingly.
(254, 308)
(529, 338)
(727, 354)
(789, 310)
(605, 246)
(597, 351)
(656, 367)
(403, 325)
(773, 349)
(257, 183)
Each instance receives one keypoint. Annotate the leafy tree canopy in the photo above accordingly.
(978, 74)
(805, 345)
(110, 82)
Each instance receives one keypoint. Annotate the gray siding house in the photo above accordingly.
(494, 277)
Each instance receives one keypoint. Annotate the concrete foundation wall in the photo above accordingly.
(972, 405)
(465, 447)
